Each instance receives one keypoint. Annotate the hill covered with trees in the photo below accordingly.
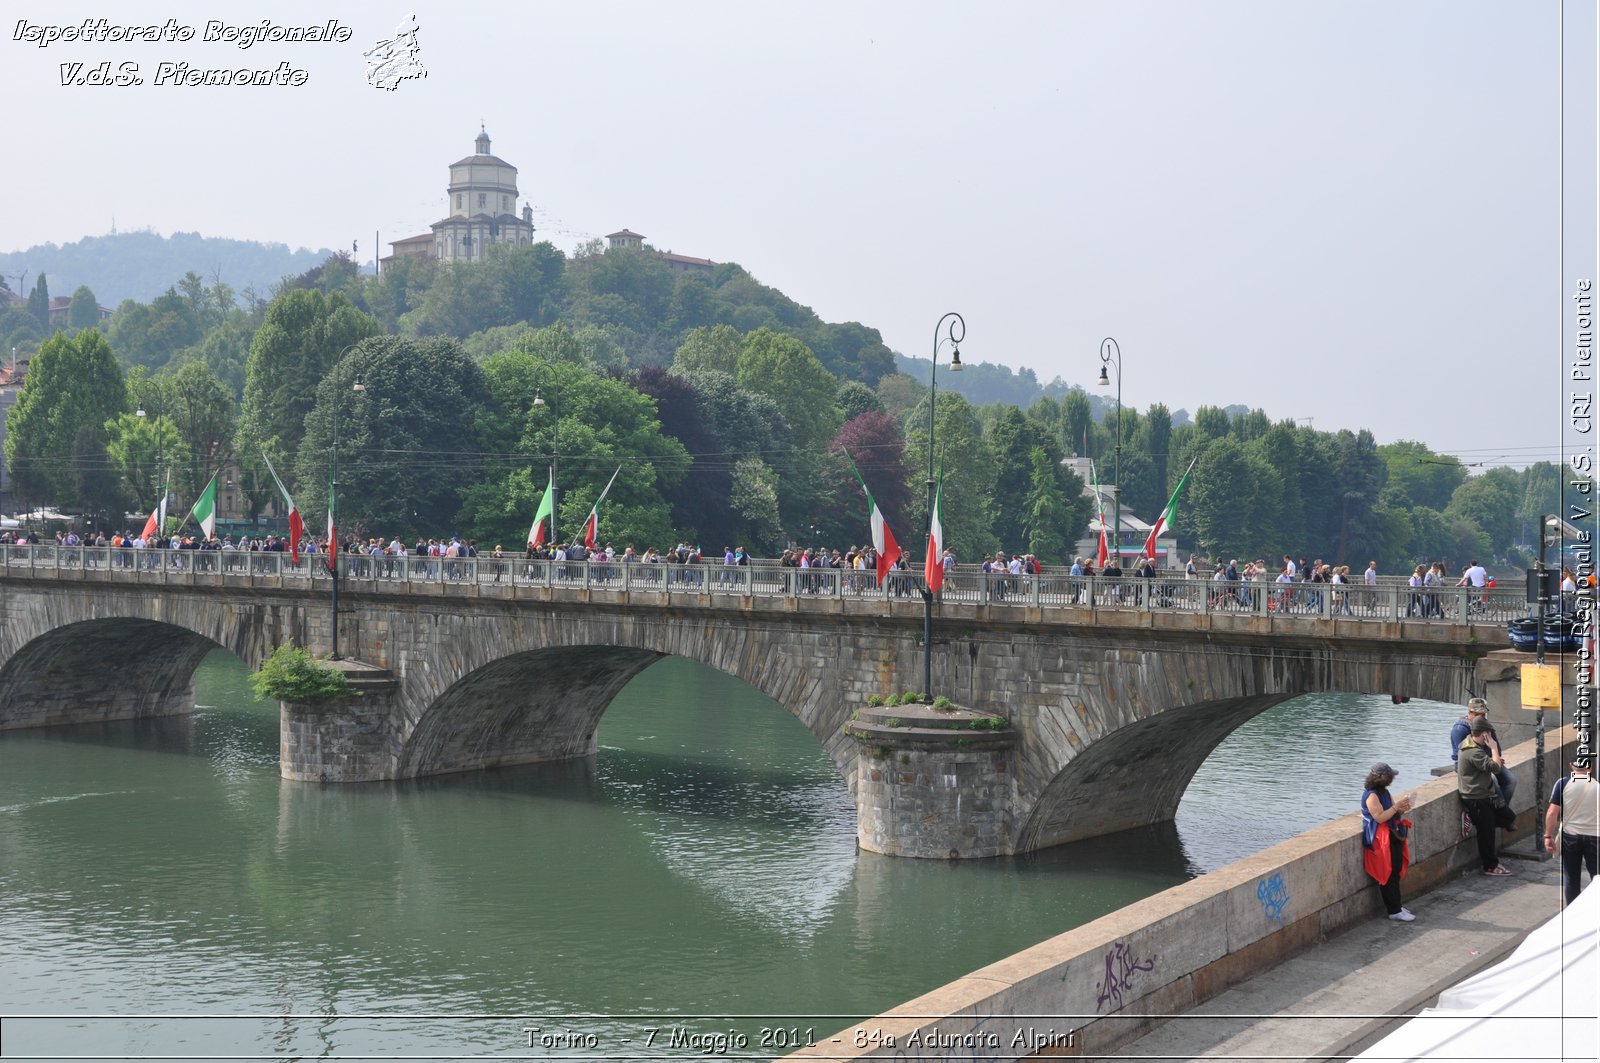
(729, 406)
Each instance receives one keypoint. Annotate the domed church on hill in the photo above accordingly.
(483, 197)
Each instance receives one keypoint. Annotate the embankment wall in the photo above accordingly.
(1096, 987)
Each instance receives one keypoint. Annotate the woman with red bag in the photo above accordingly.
(1387, 852)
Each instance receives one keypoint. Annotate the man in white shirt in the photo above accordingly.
(1475, 576)
(1371, 576)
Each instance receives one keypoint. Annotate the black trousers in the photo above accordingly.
(1481, 811)
(1577, 852)
(1390, 891)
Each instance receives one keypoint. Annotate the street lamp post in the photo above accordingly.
(555, 452)
(333, 520)
(954, 334)
(1111, 355)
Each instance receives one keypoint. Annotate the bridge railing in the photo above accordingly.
(1051, 590)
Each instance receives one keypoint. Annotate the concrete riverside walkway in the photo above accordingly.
(1340, 996)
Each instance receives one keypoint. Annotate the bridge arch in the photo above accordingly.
(70, 658)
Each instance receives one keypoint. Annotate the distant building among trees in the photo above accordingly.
(482, 195)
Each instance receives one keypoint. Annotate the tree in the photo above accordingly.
(603, 423)
(530, 280)
(1076, 416)
(969, 470)
(702, 506)
(39, 304)
(1235, 498)
(715, 348)
(1419, 477)
(855, 398)
(142, 449)
(85, 310)
(878, 447)
(73, 384)
(1490, 502)
(1013, 438)
(782, 368)
(203, 411)
(302, 336)
(405, 440)
(1057, 511)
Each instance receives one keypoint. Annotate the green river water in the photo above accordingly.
(165, 895)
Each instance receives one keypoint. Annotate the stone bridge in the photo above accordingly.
(1104, 714)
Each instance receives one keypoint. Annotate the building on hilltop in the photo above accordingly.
(482, 196)
(628, 240)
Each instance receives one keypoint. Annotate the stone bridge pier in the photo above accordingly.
(1102, 721)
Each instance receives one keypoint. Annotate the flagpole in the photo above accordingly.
(956, 322)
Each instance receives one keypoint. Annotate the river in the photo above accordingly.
(164, 894)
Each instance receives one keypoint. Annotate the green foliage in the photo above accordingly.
(874, 700)
(943, 704)
(291, 674)
(404, 439)
(85, 310)
(705, 348)
(602, 423)
(1489, 501)
(55, 434)
(784, 369)
(969, 474)
(303, 335)
(142, 450)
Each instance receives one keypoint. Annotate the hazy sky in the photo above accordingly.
(1345, 212)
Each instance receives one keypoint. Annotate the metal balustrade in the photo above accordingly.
(1172, 592)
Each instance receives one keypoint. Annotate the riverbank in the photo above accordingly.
(1092, 990)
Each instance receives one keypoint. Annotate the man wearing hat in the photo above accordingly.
(1478, 709)
(1475, 768)
(1575, 805)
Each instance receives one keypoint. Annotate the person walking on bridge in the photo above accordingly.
(1384, 837)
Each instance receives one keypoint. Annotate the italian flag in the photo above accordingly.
(158, 516)
(933, 564)
(1100, 515)
(297, 526)
(1168, 515)
(540, 533)
(883, 542)
(591, 525)
(204, 512)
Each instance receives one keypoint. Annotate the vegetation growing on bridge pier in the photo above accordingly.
(292, 674)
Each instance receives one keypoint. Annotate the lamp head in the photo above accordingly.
(955, 360)
(538, 398)
(358, 386)
(1105, 378)
(140, 411)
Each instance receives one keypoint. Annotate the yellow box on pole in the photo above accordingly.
(1541, 686)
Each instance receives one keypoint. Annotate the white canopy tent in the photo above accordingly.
(1539, 1003)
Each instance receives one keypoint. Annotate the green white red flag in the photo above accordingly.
(158, 516)
(933, 564)
(297, 524)
(204, 512)
(883, 541)
(544, 520)
(591, 526)
(1168, 515)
